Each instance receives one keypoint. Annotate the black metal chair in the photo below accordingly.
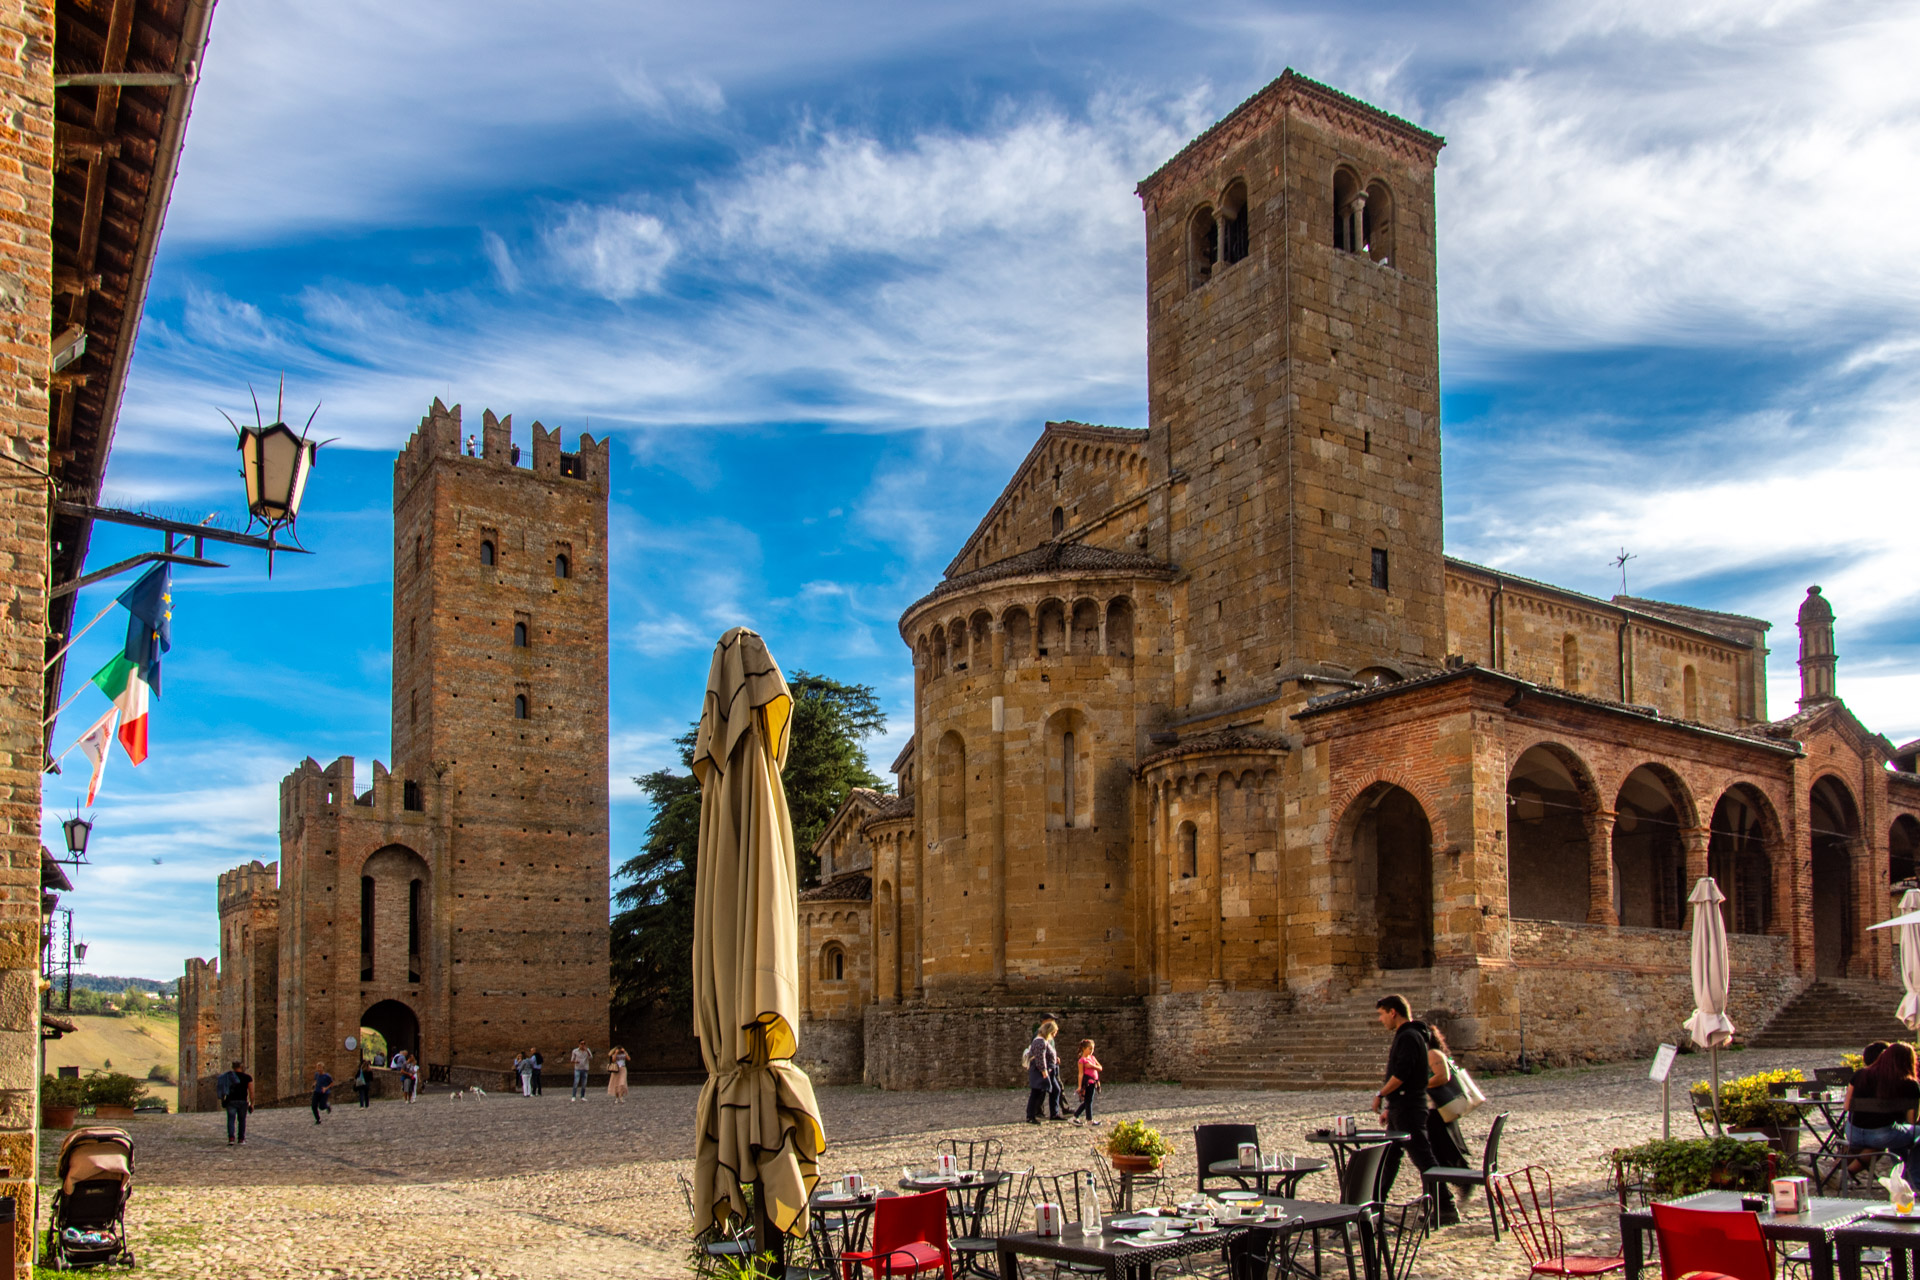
(1489, 1165)
(716, 1242)
(1005, 1207)
(1214, 1142)
(980, 1154)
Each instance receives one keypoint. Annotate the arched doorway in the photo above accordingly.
(1547, 814)
(397, 1025)
(1393, 876)
(394, 901)
(1835, 830)
(1738, 859)
(1903, 853)
(1649, 860)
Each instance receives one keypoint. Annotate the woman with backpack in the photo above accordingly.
(1043, 1068)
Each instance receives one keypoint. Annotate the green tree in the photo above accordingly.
(652, 942)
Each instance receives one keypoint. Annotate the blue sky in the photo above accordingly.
(822, 271)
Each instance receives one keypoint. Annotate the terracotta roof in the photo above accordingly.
(1219, 742)
(892, 807)
(857, 887)
(1065, 558)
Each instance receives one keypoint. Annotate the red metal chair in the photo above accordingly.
(1525, 1199)
(1711, 1241)
(909, 1237)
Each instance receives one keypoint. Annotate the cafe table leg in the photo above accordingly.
(1820, 1254)
(1632, 1248)
(1009, 1265)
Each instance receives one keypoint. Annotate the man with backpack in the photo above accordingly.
(235, 1090)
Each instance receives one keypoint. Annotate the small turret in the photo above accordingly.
(1817, 658)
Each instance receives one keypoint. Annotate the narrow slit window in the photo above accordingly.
(486, 551)
(1380, 568)
(366, 928)
(519, 706)
(562, 568)
(519, 635)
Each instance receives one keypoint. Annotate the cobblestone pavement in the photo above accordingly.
(508, 1188)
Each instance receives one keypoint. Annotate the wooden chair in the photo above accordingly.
(1715, 1241)
(1531, 1219)
(1213, 1142)
(909, 1237)
(1489, 1165)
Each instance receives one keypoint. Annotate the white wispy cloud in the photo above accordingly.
(615, 252)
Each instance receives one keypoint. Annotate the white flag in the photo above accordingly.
(94, 743)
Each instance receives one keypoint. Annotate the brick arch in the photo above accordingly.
(1584, 779)
(1389, 876)
(1393, 776)
(1679, 790)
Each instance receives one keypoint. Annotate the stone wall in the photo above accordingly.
(936, 1047)
(1191, 1031)
(832, 1052)
(1593, 993)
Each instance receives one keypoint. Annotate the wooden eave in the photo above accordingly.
(117, 149)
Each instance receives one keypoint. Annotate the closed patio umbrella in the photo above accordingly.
(1909, 1011)
(758, 1121)
(1710, 1026)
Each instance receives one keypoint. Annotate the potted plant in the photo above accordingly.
(60, 1099)
(114, 1096)
(1670, 1167)
(1136, 1147)
(1747, 1104)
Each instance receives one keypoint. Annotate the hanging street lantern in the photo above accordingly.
(77, 830)
(79, 951)
(275, 464)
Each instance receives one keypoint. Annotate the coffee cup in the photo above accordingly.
(1203, 1224)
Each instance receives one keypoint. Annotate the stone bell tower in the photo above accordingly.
(1294, 392)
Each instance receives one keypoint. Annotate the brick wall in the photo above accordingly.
(935, 1047)
(1193, 1030)
(249, 899)
(199, 1031)
(833, 1052)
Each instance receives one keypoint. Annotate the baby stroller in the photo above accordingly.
(87, 1226)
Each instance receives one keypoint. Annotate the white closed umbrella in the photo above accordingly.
(1909, 1012)
(1710, 1026)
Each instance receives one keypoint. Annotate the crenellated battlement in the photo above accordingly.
(255, 886)
(441, 434)
(312, 791)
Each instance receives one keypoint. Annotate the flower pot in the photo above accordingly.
(1134, 1164)
(110, 1111)
(58, 1117)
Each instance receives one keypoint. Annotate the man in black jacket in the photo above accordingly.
(1402, 1100)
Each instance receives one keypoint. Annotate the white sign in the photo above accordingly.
(1663, 1062)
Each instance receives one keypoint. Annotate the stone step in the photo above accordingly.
(1830, 1013)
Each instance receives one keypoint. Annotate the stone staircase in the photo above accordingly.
(1336, 1045)
(1834, 1013)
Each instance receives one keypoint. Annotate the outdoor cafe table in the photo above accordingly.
(1901, 1240)
(1302, 1216)
(1288, 1177)
(1343, 1146)
(981, 1186)
(1814, 1228)
(1105, 1253)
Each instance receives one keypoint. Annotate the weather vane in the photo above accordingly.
(1620, 562)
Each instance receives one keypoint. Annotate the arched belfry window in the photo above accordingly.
(486, 551)
(1203, 246)
(519, 706)
(562, 567)
(1376, 224)
(519, 635)
(1346, 190)
(1233, 224)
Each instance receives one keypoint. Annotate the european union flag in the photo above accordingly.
(150, 629)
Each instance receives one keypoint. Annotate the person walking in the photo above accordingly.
(322, 1091)
(1401, 1100)
(582, 1063)
(363, 1084)
(1043, 1065)
(523, 1067)
(617, 1074)
(1089, 1083)
(1056, 1091)
(1449, 1143)
(235, 1090)
(412, 1079)
(538, 1062)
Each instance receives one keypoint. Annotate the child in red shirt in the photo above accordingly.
(1089, 1082)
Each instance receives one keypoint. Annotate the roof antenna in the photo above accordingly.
(1620, 562)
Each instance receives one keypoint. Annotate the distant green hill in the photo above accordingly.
(114, 986)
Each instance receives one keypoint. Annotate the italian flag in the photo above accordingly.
(124, 681)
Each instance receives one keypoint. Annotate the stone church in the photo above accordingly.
(458, 905)
(1213, 743)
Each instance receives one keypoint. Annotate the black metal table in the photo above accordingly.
(1814, 1228)
(981, 1186)
(1267, 1241)
(1288, 1177)
(1901, 1240)
(1105, 1252)
(1344, 1145)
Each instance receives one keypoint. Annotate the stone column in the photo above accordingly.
(1695, 839)
(918, 836)
(1600, 868)
(997, 837)
(1163, 886)
(898, 914)
(1216, 927)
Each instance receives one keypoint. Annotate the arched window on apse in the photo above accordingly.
(1120, 628)
(1203, 246)
(1189, 846)
(1059, 521)
(833, 963)
(1053, 628)
(953, 787)
(1086, 628)
(1346, 186)
(1738, 862)
(981, 652)
(1233, 224)
(1570, 662)
(1377, 224)
(1019, 634)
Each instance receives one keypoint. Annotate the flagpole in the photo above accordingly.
(63, 706)
(76, 635)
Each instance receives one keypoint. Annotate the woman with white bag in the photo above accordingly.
(1453, 1094)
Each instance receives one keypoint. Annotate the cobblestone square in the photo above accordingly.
(508, 1188)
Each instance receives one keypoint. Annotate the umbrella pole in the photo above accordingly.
(1714, 1052)
(768, 1238)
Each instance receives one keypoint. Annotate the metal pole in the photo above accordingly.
(1714, 1052)
(1666, 1107)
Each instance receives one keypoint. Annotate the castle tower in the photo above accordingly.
(199, 1058)
(1293, 391)
(500, 699)
(249, 991)
(1817, 658)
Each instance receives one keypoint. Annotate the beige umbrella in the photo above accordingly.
(1909, 1011)
(758, 1122)
(1710, 1026)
